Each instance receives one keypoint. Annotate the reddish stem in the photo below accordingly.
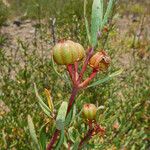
(85, 64)
(72, 99)
(91, 132)
(76, 70)
(86, 137)
(90, 124)
(53, 139)
(85, 82)
(71, 73)
(56, 133)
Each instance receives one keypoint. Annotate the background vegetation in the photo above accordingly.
(26, 40)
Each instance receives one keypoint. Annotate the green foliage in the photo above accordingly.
(61, 140)
(96, 20)
(43, 137)
(4, 12)
(109, 77)
(32, 132)
(60, 119)
(44, 107)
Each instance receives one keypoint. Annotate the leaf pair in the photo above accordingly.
(47, 110)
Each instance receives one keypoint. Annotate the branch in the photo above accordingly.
(85, 82)
(85, 64)
(76, 70)
(71, 73)
(53, 140)
(86, 138)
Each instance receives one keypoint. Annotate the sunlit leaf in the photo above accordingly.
(32, 132)
(108, 11)
(96, 20)
(60, 119)
(86, 22)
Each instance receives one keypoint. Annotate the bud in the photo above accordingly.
(100, 61)
(67, 52)
(89, 111)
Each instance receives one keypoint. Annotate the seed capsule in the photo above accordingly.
(68, 52)
(100, 61)
(89, 111)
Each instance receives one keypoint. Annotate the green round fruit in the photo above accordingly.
(67, 52)
(89, 111)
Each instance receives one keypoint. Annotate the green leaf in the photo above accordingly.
(109, 77)
(96, 21)
(32, 132)
(42, 137)
(61, 140)
(108, 11)
(76, 144)
(73, 134)
(86, 22)
(44, 107)
(49, 100)
(71, 116)
(60, 119)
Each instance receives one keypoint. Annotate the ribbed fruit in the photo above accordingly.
(68, 52)
(89, 111)
(100, 61)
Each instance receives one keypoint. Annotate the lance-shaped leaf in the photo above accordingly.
(86, 22)
(42, 137)
(109, 77)
(76, 144)
(33, 133)
(60, 119)
(70, 117)
(108, 11)
(96, 21)
(44, 107)
(49, 99)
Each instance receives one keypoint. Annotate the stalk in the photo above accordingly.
(53, 139)
(86, 138)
